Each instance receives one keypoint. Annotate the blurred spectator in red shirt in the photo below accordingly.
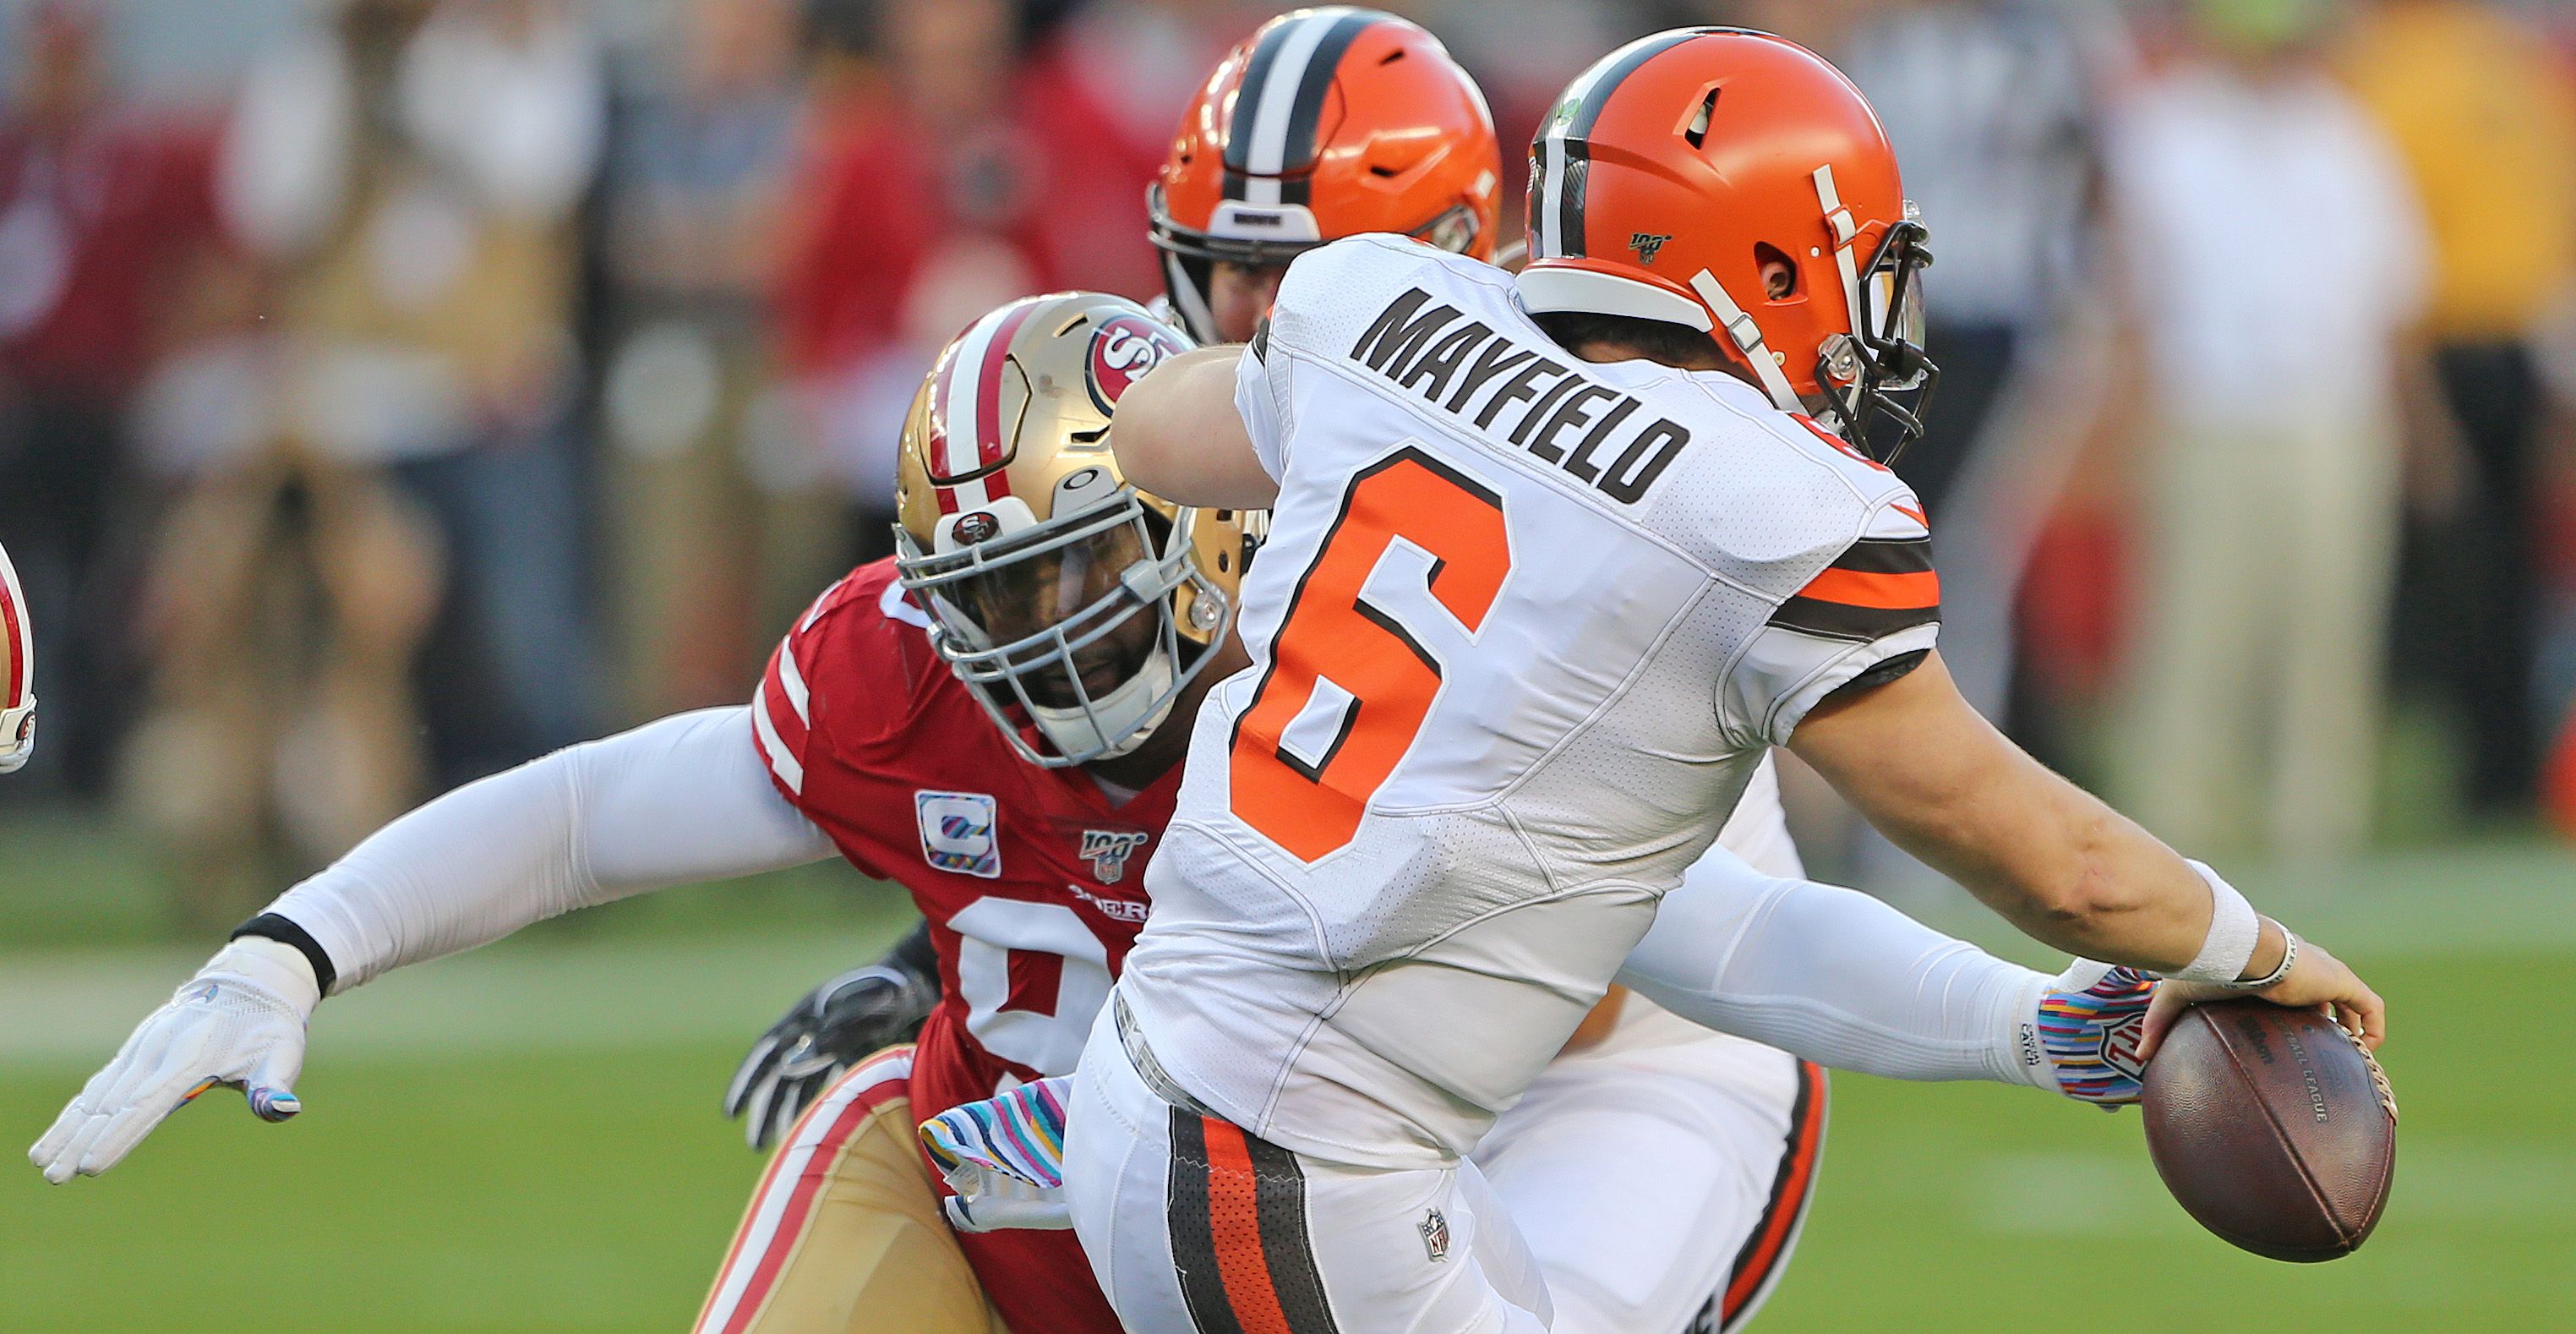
(945, 172)
(97, 210)
(706, 483)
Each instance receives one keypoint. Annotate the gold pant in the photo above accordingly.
(844, 1234)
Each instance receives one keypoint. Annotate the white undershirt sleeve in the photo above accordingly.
(1836, 977)
(672, 802)
(1257, 400)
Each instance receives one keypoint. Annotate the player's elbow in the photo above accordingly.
(2087, 905)
(1150, 436)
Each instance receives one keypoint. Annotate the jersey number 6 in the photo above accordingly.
(1348, 685)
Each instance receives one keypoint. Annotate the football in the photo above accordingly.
(2273, 1128)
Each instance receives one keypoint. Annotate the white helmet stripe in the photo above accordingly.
(1266, 150)
(958, 451)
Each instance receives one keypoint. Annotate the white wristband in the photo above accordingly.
(2233, 932)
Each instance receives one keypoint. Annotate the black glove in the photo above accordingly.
(837, 1025)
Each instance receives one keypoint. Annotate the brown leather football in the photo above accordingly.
(2272, 1127)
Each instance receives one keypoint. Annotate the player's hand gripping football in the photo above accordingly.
(2088, 1026)
(239, 1022)
(835, 1026)
(2317, 981)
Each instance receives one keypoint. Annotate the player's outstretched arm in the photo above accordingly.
(1839, 978)
(1940, 781)
(675, 801)
(1180, 436)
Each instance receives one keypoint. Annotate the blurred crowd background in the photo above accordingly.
(393, 390)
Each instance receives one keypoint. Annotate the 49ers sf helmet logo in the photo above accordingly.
(1122, 350)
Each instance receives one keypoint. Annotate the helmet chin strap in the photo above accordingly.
(1845, 233)
(1129, 714)
(1747, 337)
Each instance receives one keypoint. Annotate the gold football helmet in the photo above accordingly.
(1074, 606)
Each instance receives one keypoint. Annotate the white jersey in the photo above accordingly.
(1524, 628)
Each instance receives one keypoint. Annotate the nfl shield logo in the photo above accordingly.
(957, 832)
(1108, 850)
(1435, 1235)
(2120, 1044)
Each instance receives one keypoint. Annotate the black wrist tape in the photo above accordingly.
(283, 930)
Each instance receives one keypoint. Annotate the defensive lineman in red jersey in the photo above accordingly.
(875, 740)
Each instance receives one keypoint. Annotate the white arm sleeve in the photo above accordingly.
(1836, 977)
(675, 801)
(1257, 401)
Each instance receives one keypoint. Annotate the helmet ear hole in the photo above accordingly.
(1695, 125)
(1779, 275)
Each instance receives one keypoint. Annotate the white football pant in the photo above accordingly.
(1650, 1185)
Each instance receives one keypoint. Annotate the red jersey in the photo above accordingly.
(1031, 879)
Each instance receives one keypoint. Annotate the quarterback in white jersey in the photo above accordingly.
(1464, 495)
(1552, 561)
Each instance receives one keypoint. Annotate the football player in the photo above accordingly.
(1328, 123)
(1553, 559)
(17, 672)
(993, 719)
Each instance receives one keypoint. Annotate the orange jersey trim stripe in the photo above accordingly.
(1865, 588)
(1791, 1188)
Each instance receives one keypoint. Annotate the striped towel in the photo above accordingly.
(1005, 1158)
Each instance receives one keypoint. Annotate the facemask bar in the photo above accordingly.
(1863, 374)
(1092, 728)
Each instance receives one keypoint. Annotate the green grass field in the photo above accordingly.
(526, 1138)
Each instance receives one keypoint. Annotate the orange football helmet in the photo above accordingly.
(1324, 123)
(1734, 182)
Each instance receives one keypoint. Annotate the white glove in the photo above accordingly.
(238, 1022)
(990, 1201)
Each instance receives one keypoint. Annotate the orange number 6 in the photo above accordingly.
(1310, 803)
